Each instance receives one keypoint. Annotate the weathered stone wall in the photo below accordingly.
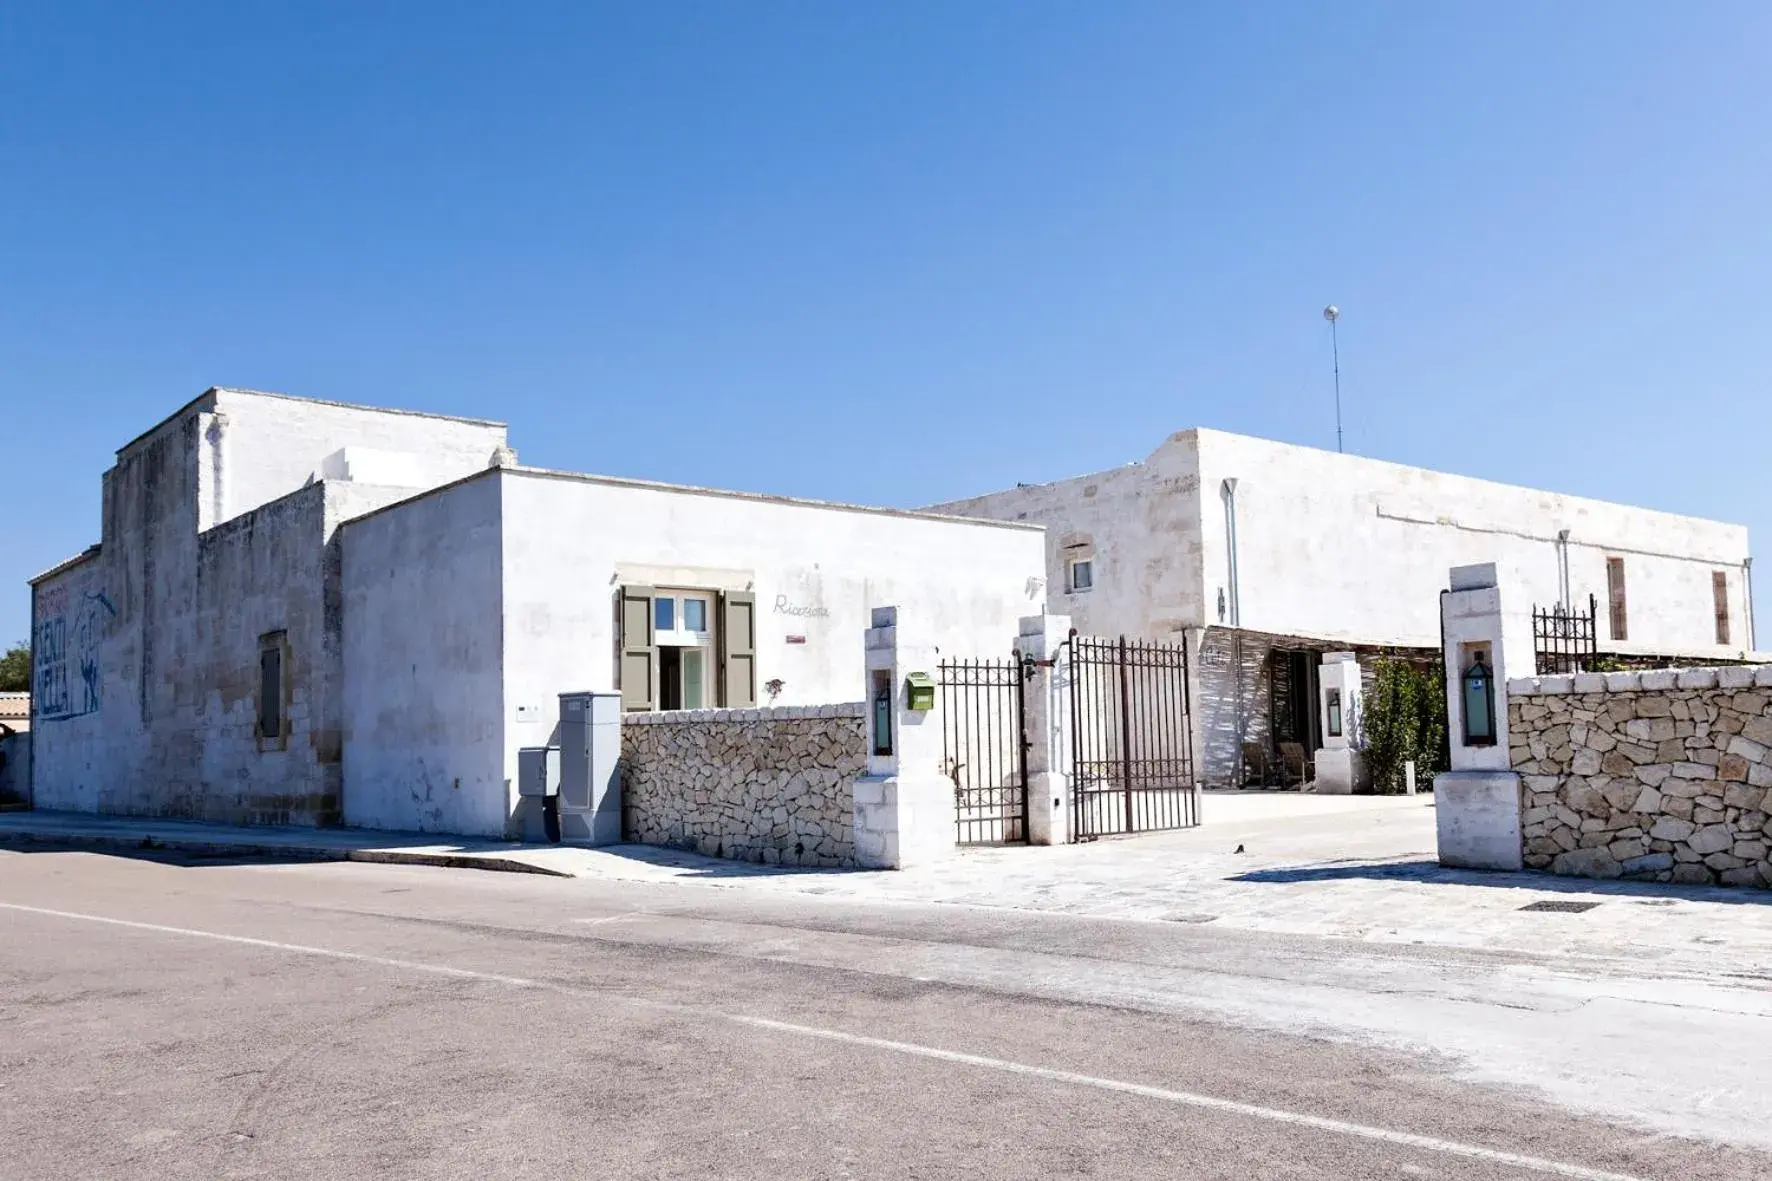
(1657, 776)
(775, 786)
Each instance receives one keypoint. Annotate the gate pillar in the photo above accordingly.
(1477, 802)
(904, 806)
(1047, 725)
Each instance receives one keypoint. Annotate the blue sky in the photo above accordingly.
(897, 253)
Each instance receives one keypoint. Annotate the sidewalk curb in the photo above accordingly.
(282, 852)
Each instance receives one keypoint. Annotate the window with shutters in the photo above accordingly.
(1615, 598)
(272, 723)
(685, 648)
(1719, 590)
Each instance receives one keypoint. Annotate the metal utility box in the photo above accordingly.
(538, 771)
(590, 773)
(919, 691)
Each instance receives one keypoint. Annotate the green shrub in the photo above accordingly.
(1405, 718)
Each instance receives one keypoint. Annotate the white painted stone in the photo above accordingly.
(1696, 678)
(1659, 679)
(1362, 565)
(431, 629)
(1340, 771)
(1477, 818)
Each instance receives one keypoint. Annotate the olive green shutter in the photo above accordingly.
(1719, 589)
(639, 656)
(738, 649)
(1615, 598)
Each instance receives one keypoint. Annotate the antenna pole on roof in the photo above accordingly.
(1332, 314)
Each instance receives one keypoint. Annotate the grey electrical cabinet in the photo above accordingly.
(538, 771)
(590, 773)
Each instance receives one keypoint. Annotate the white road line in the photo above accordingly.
(1071, 1078)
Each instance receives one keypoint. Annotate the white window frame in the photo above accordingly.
(1070, 574)
(680, 637)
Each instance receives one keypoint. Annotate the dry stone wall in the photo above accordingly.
(775, 786)
(1657, 776)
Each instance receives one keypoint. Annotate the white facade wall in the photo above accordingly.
(1139, 525)
(469, 610)
(148, 649)
(421, 588)
(1345, 549)
(1339, 550)
(1355, 550)
(817, 571)
(256, 447)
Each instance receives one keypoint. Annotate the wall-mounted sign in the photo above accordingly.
(796, 639)
(801, 610)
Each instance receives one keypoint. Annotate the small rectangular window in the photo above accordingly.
(1615, 598)
(695, 615)
(1082, 575)
(273, 705)
(882, 697)
(664, 614)
(1334, 712)
(1719, 590)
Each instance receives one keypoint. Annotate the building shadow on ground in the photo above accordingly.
(149, 850)
(702, 865)
(1433, 873)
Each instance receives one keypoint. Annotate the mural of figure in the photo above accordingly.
(62, 644)
(89, 634)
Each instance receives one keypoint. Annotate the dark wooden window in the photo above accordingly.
(1719, 590)
(273, 694)
(1615, 598)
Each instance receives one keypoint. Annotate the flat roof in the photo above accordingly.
(696, 490)
(231, 389)
(84, 555)
(1349, 457)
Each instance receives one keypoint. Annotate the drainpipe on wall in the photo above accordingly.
(1229, 491)
(1565, 594)
(1747, 580)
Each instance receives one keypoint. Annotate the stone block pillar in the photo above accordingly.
(1048, 700)
(904, 805)
(1340, 765)
(1477, 802)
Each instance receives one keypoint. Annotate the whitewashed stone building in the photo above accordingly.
(304, 612)
(1266, 555)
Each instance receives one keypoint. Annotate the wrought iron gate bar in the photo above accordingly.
(984, 751)
(1564, 640)
(1132, 767)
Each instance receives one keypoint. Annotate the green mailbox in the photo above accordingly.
(919, 692)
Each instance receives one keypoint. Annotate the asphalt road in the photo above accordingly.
(170, 1019)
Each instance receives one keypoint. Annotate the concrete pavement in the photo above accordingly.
(85, 830)
(1357, 868)
(339, 1020)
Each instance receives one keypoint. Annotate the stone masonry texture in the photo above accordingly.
(774, 786)
(1655, 776)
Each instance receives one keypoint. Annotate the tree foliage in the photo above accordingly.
(15, 669)
(1405, 718)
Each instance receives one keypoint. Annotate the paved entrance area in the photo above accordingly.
(1348, 867)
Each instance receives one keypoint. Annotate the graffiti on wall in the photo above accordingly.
(66, 680)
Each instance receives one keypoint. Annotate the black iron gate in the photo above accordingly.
(1564, 640)
(984, 748)
(1132, 760)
